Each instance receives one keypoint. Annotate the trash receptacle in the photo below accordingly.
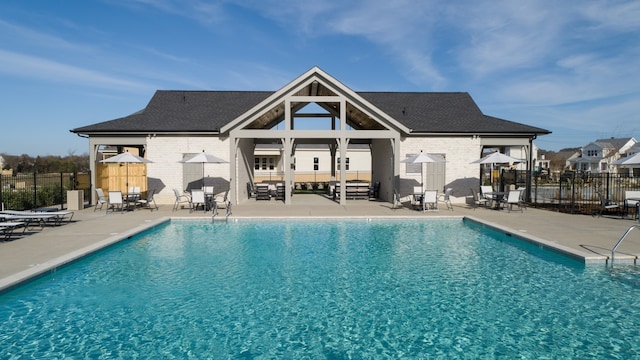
(75, 200)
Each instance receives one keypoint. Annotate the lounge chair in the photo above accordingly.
(631, 201)
(149, 202)
(31, 217)
(180, 199)
(430, 200)
(374, 191)
(8, 227)
(133, 195)
(479, 200)
(115, 201)
(485, 191)
(101, 199)
(262, 191)
(280, 189)
(197, 199)
(608, 206)
(513, 198)
(56, 216)
(416, 198)
(522, 203)
(446, 198)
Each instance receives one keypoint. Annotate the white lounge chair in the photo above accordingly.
(479, 200)
(101, 199)
(430, 200)
(36, 217)
(446, 198)
(8, 227)
(149, 202)
(180, 199)
(486, 192)
(513, 198)
(115, 201)
(197, 199)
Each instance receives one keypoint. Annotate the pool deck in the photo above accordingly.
(587, 238)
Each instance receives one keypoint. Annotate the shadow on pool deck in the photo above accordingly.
(589, 237)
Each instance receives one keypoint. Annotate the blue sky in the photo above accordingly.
(571, 67)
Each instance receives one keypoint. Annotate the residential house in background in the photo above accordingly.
(597, 157)
(633, 170)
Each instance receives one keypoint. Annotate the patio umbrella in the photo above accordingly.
(126, 158)
(629, 160)
(203, 158)
(422, 158)
(496, 158)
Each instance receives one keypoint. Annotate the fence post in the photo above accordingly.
(35, 187)
(61, 192)
(573, 194)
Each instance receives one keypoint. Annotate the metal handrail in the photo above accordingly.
(613, 250)
(214, 211)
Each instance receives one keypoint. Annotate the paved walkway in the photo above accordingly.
(38, 251)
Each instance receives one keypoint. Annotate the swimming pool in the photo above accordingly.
(323, 289)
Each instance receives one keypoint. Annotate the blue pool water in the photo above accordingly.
(324, 289)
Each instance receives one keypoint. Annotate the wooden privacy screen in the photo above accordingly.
(114, 177)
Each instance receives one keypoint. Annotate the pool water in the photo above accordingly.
(324, 290)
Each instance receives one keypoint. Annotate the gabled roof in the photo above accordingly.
(177, 111)
(613, 143)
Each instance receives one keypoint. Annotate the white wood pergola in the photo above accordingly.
(353, 119)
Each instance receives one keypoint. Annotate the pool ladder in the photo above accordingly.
(613, 250)
(214, 211)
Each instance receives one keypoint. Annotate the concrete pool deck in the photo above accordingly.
(38, 251)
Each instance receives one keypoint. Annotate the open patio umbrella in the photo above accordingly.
(203, 158)
(126, 158)
(496, 158)
(422, 158)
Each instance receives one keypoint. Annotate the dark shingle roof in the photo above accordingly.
(183, 111)
(207, 111)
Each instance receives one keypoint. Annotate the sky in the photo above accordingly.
(571, 67)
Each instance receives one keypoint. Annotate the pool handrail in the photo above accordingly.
(613, 250)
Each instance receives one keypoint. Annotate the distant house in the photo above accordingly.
(633, 170)
(262, 133)
(598, 156)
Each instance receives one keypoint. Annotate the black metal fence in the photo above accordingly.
(31, 191)
(575, 192)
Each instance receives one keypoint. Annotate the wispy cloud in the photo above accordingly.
(16, 64)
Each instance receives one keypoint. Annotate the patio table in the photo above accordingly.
(496, 197)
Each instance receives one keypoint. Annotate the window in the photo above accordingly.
(603, 166)
(264, 163)
(346, 164)
(592, 152)
(413, 169)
